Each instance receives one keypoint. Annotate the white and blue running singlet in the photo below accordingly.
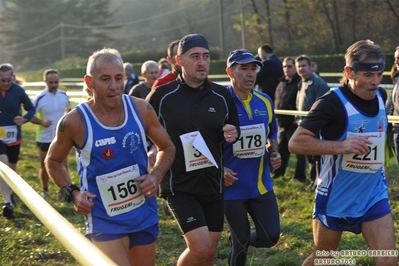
(108, 162)
(350, 184)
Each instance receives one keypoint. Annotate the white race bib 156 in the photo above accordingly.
(119, 192)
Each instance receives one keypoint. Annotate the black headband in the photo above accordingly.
(191, 41)
(379, 66)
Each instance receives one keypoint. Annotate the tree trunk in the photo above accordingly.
(269, 22)
(331, 22)
(337, 23)
(354, 7)
(394, 12)
(287, 18)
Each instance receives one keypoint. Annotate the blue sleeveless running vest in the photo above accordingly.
(109, 153)
(349, 185)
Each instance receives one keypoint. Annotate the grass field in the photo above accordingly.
(25, 241)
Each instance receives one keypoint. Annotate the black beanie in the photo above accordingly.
(191, 41)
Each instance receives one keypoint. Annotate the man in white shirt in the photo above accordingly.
(51, 104)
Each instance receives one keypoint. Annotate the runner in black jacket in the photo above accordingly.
(198, 115)
(182, 109)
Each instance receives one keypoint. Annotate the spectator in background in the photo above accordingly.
(149, 71)
(176, 69)
(131, 78)
(315, 69)
(394, 73)
(311, 87)
(50, 105)
(286, 94)
(269, 75)
(164, 67)
(352, 190)
(392, 104)
(19, 80)
(12, 96)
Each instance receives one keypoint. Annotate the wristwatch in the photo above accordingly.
(66, 192)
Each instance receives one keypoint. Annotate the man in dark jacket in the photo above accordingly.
(198, 115)
(269, 75)
(393, 108)
(286, 94)
(311, 87)
(131, 78)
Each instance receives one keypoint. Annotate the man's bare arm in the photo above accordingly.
(70, 131)
(37, 121)
(304, 142)
(59, 150)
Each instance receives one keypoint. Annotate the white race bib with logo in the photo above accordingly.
(119, 192)
(252, 142)
(370, 162)
(8, 134)
(195, 151)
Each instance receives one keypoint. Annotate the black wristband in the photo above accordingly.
(66, 192)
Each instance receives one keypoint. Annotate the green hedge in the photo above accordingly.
(37, 75)
(326, 63)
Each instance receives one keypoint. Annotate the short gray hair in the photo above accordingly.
(106, 54)
(128, 66)
(147, 64)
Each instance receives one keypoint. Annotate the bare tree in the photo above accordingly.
(394, 13)
(332, 25)
(287, 19)
(337, 23)
(354, 8)
(269, 22)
